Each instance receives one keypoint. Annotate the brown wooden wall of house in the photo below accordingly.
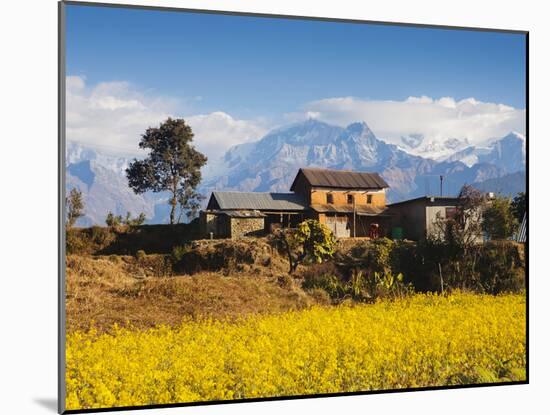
(303, 188)
(340, 197)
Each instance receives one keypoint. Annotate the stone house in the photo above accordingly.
(237, 214)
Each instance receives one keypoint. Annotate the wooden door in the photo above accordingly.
(339, 225)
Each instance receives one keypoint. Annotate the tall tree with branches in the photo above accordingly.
(173, 165)
(519, 205)
(75, 206)
(499, 221)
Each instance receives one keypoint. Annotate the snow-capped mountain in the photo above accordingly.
(101, 179)
(271, 164)
(508, 152)
(419, 145)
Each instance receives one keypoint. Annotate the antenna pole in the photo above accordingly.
(441, 185)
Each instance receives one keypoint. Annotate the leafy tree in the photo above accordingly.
(454, 246)
(310, 242)
(519, 206)
(464, 228)
(498, 219)
(173, 165)
(137, 221)
(112, 220)
(115, 220)
(189, 201)
(75, 206)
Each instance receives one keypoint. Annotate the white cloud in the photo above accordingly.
(437, 119)
(112, 116)
(216, 132)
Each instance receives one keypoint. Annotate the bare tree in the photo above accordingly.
(75, 206)
(464, 227)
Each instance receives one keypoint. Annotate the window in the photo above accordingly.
(350, 199)
(450, 212)
(330, 198)
(369, 199)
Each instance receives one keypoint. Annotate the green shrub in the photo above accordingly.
(140, 255)
(325, 277)
(179, 251)
(492, 268)
(501, 268)
(311, 242)
(356, 283)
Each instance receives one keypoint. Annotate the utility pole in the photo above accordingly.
(354, 222)
(441, 185)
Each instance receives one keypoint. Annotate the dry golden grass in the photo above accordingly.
(105, 290)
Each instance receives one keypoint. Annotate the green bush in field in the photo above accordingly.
(433, 265)
(501, 268)
(311, 242)
(498, 219)
(179, 251)
(356, 283)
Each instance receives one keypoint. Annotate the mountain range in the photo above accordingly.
(271, 163)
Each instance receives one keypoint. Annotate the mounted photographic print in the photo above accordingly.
(258, 207)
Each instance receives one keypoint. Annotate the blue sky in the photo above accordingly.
(251, 64)
(254, 68)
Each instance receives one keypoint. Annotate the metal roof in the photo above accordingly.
(359, 210)
(256, 201)
(521, 234)
(341, 179)
(452, 200)
(242, 213)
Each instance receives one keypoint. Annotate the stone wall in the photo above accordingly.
(246, 227)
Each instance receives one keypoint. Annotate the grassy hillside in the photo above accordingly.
(224, 278)
(102, 291)
(127, 240)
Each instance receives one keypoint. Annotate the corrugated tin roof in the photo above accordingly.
(452, 200)
(359, 210)
(256, 201)
(243, 213)
(341, 179)
(521, 235)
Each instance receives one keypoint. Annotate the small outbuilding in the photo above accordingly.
(416, 218)
(238, 214)
(232, 224)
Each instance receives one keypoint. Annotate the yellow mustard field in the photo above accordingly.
(422, 340)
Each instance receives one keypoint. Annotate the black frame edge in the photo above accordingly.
(292, 397)
(61, 389)
(285, 16)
